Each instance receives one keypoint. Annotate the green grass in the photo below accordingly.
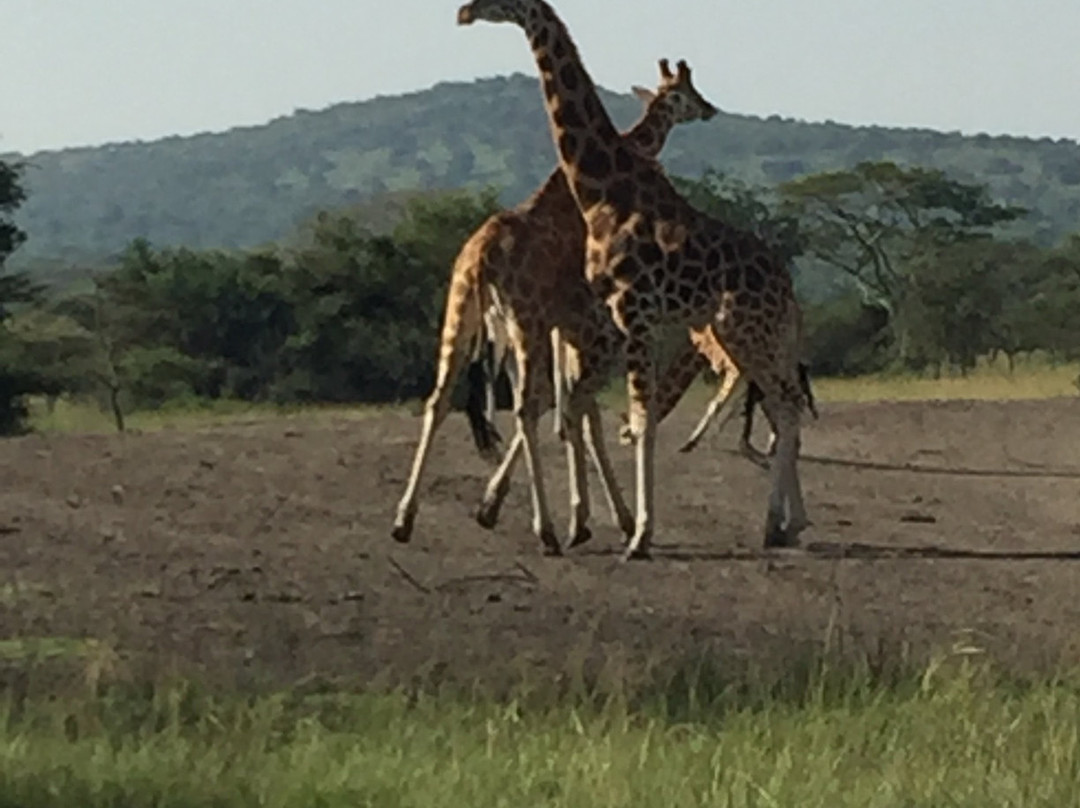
(1031, 379)
(75, 416)
(954, 735)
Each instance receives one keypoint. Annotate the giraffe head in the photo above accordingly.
(515, 11)
(679, 94)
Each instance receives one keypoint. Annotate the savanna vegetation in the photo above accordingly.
(900, 269)
(174, 274)
(952, 733)
(251, 185)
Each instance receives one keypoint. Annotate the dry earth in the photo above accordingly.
(260, 553)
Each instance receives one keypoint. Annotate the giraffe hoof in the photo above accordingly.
(779, 537)
(403, 528)
(579, 537)
(637, 554)
(551, 548)
(487, 517)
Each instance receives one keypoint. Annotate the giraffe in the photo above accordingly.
(517, 276)
(656, 260)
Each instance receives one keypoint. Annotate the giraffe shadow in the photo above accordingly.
(832, 551)
(920, 468)
(684, 552)
(872, 552)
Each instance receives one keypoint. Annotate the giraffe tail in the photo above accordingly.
(480, 380)
(804, 383)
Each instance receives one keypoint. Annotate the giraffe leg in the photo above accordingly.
(493, 360)
(461, 323)
(620, 513)
(578, 478)
(558, 379)
(721, 407)
(641, 372)
(531, 396)
(542, 524)
(753, 398)
(434, 413)
(786, 488)
(672, 385)
(487, 515)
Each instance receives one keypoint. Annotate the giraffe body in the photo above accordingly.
(655, 259)
(517, 277)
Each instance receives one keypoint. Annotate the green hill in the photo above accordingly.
(254, 184)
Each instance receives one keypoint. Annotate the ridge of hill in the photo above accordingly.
(254, 184)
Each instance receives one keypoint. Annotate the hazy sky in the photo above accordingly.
(76, 72)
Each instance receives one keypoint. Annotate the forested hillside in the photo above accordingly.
(251, 185)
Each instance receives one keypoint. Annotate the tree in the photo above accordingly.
(12, 196)
(18, 375)
(1050, 313)
(964, 298)
(368, 306)
(873, 221)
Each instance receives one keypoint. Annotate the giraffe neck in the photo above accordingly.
(648, 136)
(584, 134)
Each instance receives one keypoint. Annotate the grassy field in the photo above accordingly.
(951, 735)
(990, 382)
(85, 417)
(1029, 380)
(808, 733)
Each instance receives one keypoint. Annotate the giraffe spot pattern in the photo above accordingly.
(621, 194)
(568, 117)
(590, 107)
(594, 161)
(568, 74)
(626, 269)
(650, 253)
(753, 279)
(712, 261)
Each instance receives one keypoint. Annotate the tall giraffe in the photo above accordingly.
(520, 274)
(656, 259)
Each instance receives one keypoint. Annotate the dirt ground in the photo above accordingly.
(261, 552)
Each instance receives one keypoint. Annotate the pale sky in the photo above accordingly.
(84, 72)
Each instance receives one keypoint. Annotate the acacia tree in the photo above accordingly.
(873, 221)
(966, 300)
(1050, 313)
(18, 376)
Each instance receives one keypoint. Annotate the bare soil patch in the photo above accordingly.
(261, 553)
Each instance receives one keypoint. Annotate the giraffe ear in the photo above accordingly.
(645, 95)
